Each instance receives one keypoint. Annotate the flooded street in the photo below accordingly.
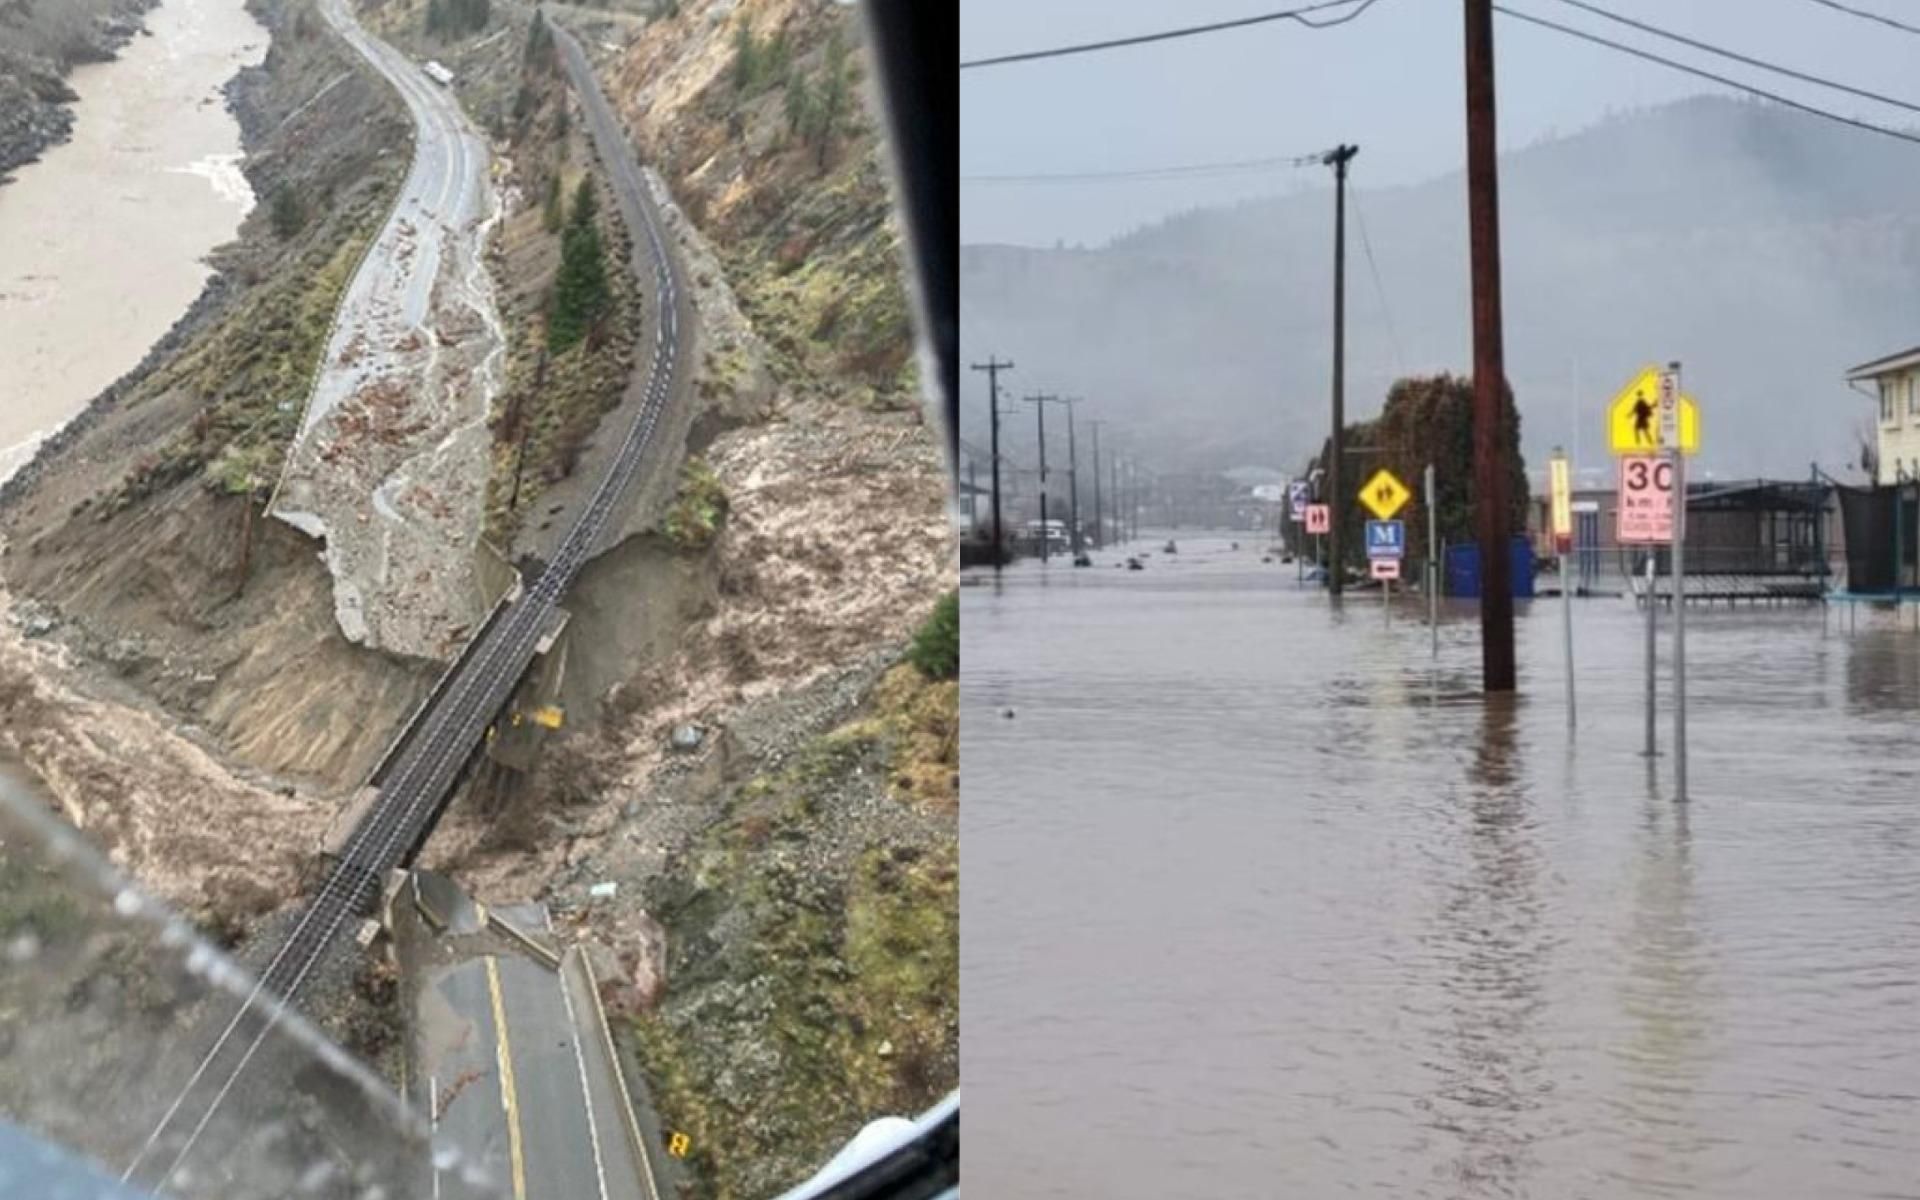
(1262, 902)
(102, 241)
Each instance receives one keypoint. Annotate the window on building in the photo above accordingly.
(1911, 385)
(1888, 412)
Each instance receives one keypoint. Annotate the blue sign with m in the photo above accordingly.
(1386, 539)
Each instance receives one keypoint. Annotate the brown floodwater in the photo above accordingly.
(1262, 901)
(103, 241)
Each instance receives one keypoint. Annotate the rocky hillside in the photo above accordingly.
(1766, 249)
(39, 43)
(135, 538)
(771, 794)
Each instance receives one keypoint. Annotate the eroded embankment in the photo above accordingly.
(136, 538)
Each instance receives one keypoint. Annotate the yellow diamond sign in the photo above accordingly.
(1384, 494)
(1633, 417)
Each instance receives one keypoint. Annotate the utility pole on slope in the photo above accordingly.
(1099, 517)
(1040, 411)
(993, 367)
(1338, 158)
(1490, 467)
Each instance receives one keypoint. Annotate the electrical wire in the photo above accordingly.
(1582, 34)
(1186, 171)
(1789, 72)
(1373, 268)
(1871, 16)
(1291, 14)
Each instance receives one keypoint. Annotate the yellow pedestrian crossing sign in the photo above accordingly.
(1384, 494)
(1633, 417)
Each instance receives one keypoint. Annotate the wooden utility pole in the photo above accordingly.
(1338, 158)
(1490, 467)
(1040, 411)
(1073, 477)
(1099, 517)
(993, 367)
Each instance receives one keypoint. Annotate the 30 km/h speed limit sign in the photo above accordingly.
(1646, 499)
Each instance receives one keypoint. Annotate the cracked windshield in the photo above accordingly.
(478, 676)
(1460, 737)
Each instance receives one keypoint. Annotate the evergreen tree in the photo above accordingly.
(746, 57)
(289, 213)
(834, 89)
(551, 215)
(436, 16)
(539, 43)
(799, 105)
(585, 202)
(580, 291)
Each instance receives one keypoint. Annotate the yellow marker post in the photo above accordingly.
(679, 1144)
(509, 1101)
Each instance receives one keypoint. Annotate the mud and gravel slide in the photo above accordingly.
(390, 461)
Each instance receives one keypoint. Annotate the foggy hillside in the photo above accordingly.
(1766, 249)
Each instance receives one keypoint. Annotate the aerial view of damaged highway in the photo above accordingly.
(478, 603)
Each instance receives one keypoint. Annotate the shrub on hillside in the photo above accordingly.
(936, 645)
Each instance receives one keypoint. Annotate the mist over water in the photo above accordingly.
(1260, 901)
(103, 241)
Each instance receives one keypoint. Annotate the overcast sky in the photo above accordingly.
(1389, 81)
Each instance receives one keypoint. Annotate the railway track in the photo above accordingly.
(421, 778)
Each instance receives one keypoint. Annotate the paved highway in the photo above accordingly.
(421, 778)
(443, 197)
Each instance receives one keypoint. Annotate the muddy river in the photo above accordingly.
(103, 241)
(1262, 901)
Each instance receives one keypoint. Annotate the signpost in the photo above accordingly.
(1674, 431)
(1385, 568)
(1298, 497)
(1653, 426)
(1433, 563)
(1562, 489)
(1319, 518)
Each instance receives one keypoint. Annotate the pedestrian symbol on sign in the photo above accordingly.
(1642, 420)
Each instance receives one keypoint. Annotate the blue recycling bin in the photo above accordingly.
(1463, 569)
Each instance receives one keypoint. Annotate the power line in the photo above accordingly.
(1373, 268)
(1741, 58)
(1871, 16)
(1720, 79)
(1185, 171)
(1292, 14)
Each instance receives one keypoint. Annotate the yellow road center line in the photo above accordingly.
(508, 1100)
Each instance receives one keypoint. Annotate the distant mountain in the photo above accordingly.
(1765, 249)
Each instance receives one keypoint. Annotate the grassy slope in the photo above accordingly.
(815, 972)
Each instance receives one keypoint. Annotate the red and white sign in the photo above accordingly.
(1646, 499)
(1319, 518)
(1386, 568)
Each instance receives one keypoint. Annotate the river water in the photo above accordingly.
(103, 241)
(1261, 901)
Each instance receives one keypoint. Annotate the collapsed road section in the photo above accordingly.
(419, 780)
(390, 461)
